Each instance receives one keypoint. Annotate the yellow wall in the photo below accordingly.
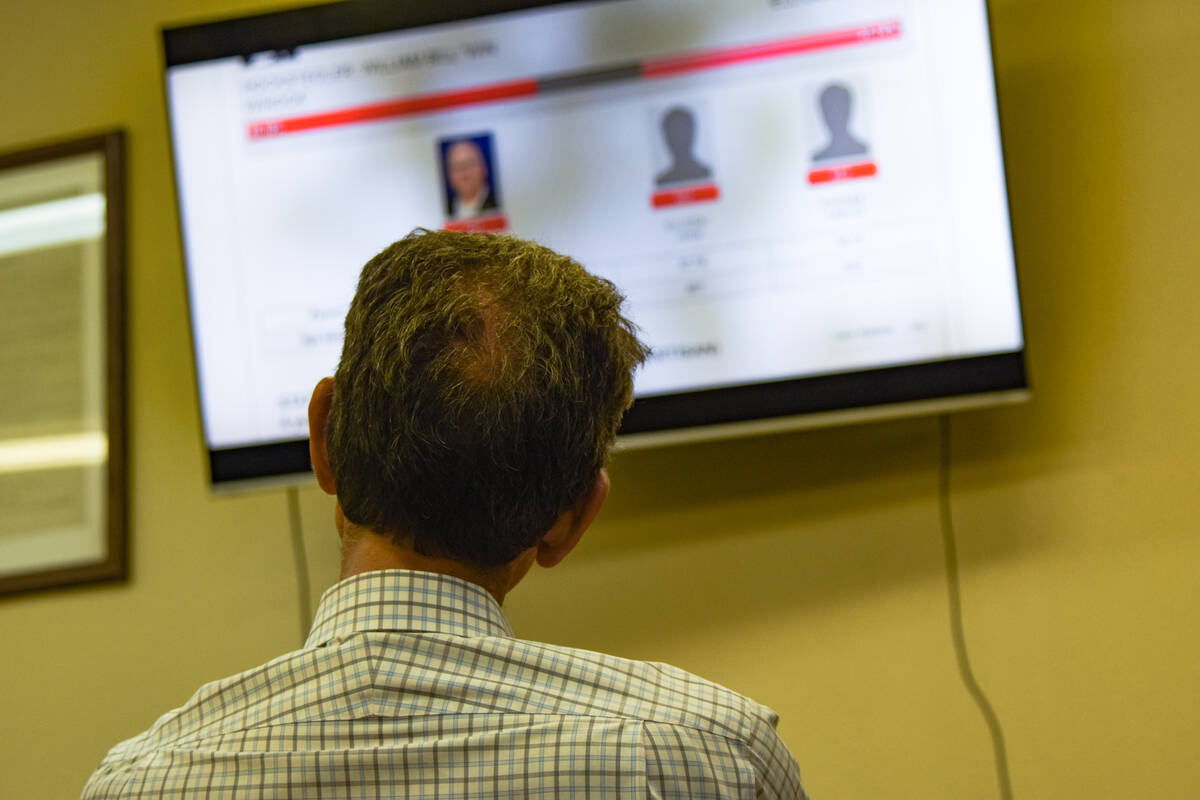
(804, 570)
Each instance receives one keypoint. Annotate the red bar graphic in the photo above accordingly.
(843, 173)
(695, 62)
(685, 196)
(512, 90)
(418, 104)
(493, 223)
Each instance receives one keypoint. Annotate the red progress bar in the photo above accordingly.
(695, 62)
(511, 90)
(419, 104)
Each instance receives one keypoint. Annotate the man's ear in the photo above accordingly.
(318, 426)
(568, 529)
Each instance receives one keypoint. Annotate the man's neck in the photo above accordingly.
(367, 551)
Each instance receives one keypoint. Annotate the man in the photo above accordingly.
(464, 436)
(467, 174)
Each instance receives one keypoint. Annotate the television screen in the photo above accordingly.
(803, 200)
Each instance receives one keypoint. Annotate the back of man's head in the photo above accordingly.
(481, 384)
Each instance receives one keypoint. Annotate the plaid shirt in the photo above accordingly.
(412, 685)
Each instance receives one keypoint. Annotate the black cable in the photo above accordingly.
(956, 623)
(301, 563)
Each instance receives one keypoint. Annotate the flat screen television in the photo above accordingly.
(804, 201)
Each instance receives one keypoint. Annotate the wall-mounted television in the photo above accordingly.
(804, 201)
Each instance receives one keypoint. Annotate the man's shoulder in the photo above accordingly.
(680, 712)
(410, 673)
(536, 676)
(428, 684)
(263, 695)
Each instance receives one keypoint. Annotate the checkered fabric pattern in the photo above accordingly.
(412, 685)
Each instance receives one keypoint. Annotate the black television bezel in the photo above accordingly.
(1000, 376)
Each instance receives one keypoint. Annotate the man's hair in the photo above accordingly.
(481, 385)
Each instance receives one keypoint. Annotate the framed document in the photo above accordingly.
(62, 354)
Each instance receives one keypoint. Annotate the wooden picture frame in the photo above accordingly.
(63, 509)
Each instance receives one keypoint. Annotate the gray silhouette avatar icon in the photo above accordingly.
(836, 102)
(679, 133)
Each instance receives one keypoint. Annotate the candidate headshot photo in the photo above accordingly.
(468, 176)
(678, 128)
(836, 105)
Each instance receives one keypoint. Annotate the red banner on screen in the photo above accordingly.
(419, 104)
(492, 223)
(530, 87)
(686, 195)
(844, 172)
(711, 59)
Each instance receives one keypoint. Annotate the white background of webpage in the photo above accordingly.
(776, 279)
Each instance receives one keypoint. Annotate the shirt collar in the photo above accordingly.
(405, 600)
